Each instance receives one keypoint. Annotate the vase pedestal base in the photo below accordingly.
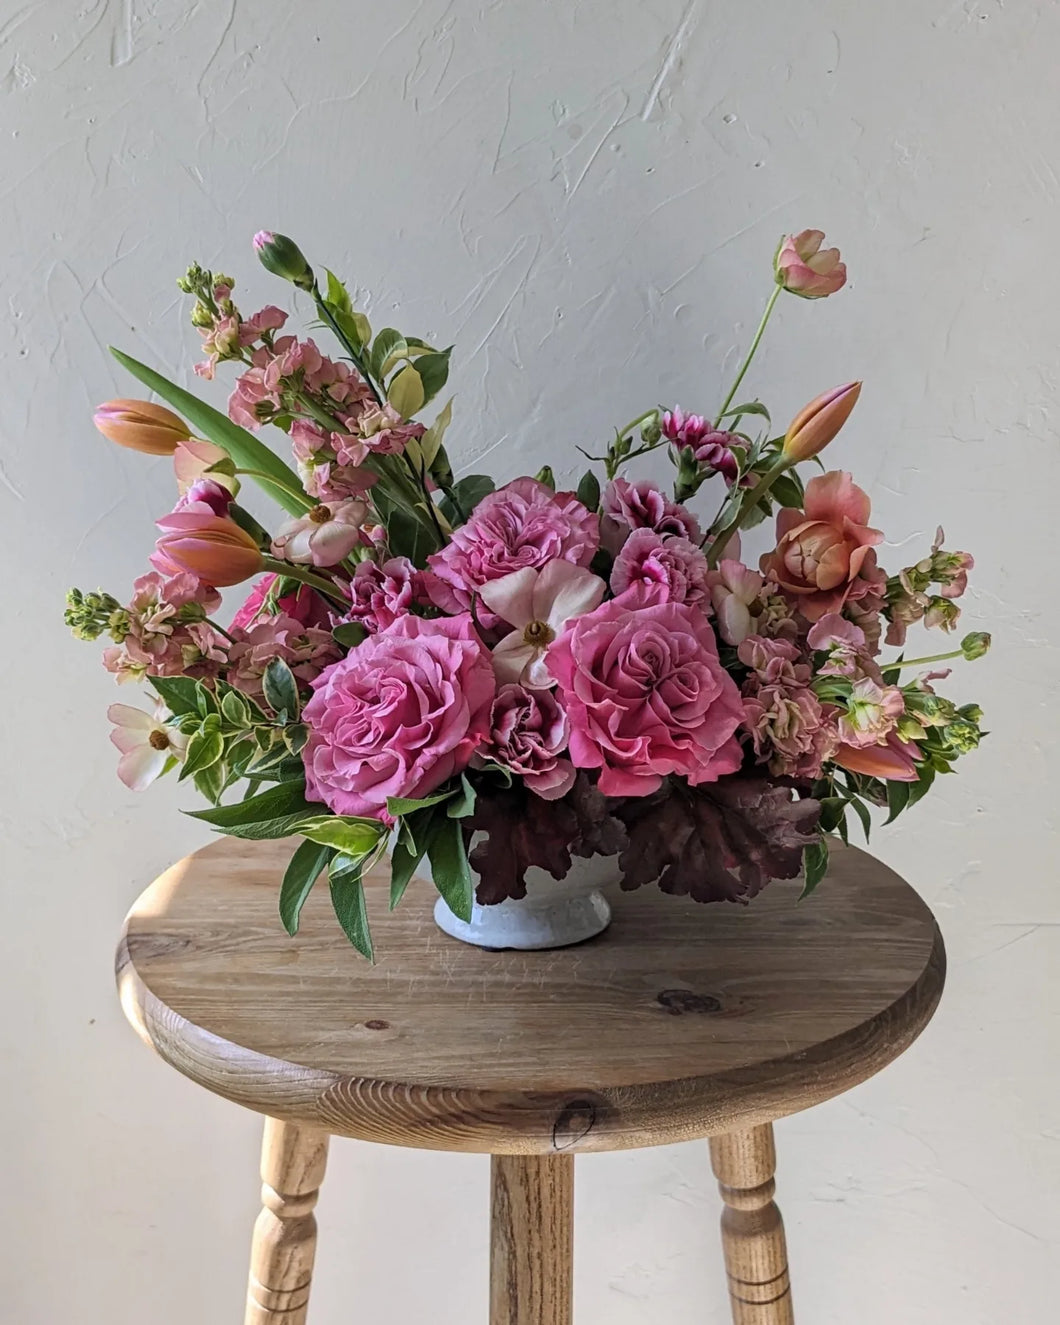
(529, 925)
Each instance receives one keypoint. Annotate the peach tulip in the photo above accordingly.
(141, 426)
(893, 761)
(211, 547)
(816, 425)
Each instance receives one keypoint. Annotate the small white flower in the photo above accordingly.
(145, 742)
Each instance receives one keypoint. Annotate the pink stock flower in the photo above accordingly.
(381, 593)
(316, 455)
(824, 555)
(845, 646)
(305, 606)
(307, 650)
(806, 269)
(734, 591)
(522, 524)
(145, 742)
(667, 567)
(324, 536)
(527, 735)
(164, 629)
(646, 696)
(711, 446)
(790, 730)
(893, 761)
(381, 430)
(211, 547)
(774, 661)
(398, 716)
(538, 603)
(872, 713)
(627, 506)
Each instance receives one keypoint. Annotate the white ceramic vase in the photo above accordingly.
(554, 913)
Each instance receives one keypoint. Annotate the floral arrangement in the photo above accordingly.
(441, 666)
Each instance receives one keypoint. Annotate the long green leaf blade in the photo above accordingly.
(347, 897)
(303, 870)
(452, 873)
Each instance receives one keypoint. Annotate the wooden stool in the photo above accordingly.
(680, 1022)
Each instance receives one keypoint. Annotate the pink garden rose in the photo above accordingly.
(646, 696)
(642, 505)
(668, 567)
(380, 593)
(398, 716)
(528, 734)
(824, 554)
(522, 524)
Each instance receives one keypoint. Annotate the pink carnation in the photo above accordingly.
(670, 568)
(306, 606)
(528, 735)
(398, 716)
(646, 696)
(380, 594)
(524, 523)
(627, 506)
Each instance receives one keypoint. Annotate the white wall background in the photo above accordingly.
(584, 197)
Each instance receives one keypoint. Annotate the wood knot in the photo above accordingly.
(574, 1123)
(377, 1024)
(679, 1001)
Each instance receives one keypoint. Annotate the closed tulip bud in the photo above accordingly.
(814, 427)
(211, 547)
(283, 257)
(141, 426)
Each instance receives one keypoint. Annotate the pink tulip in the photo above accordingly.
(193, 458)
(816, 425)
(893, 761)
(211, 547)
(805, 269)
(141, 426)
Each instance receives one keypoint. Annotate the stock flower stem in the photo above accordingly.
(358, 362)
(754, 496)
(273, 482)
(220, 629)
(921, 662)
(293, 572)
(750, 354)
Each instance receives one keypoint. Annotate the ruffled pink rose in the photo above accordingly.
(824, 554)
(398, 716)
(646, 696)
(522, 524)
(528, 735)
(627, 506)
(379, 594)
(670, 568)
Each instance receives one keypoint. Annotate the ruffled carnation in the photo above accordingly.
(522, 524)
(627, 506)
(305, 605)
(527, 736)
(670, 568)
(380, 593)
(646, 697)
(398, 716)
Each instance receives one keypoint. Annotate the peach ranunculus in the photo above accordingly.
(824, 554)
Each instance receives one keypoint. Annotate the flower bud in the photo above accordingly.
(141, 426)
(283, 257)
(545, 475)
(802, 267)
(975, 645)
(211, 547)
(816, 425)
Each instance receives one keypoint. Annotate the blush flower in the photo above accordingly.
(872, 713)
(646, 696)
(398, 716)
(789, 730)
(380, 593)
(734, 591)
(538, 603)
(627, 506)
(146, 744)
(824, 554)
(668, 567)
(527, 735)
(307, 650)
(806, 269)
(524, 524)
(324, 536)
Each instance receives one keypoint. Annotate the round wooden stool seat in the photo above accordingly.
(681, 1021)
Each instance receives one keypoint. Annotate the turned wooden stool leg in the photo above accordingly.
(285, 1235)
(752, 1231)
(532, 1240)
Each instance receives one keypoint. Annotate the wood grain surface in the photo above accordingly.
(680, 1021)
(531, 1239)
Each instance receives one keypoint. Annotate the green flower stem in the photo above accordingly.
(358, 362)
(641, 418)
(275, 483)
(613, 466)
(921, 662)
(754, 496)
(293, 572)
(750, 353)
(220, 629)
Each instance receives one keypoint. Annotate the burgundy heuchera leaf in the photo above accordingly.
(720, 842)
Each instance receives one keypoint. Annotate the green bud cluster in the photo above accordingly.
(90, 615)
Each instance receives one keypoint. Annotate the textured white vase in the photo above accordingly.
(554, 913)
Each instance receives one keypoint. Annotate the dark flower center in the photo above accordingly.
(320, 514)
(538, 634)
(158, 740)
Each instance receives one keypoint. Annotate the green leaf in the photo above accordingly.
(204, 748)
(178, 693)
(302, 872)
(431, 441)
(402, 805)
(433, 370)
(833, 809)
(452, 874)
(463, 803)
(408, 536)
(788, 491)
(412, 844)
(235, 709)
(210, 782)
(347, 897)
(862, 811)
(815, 865)
(387, 343)
(897, 799)
(920, 788)
(406, 392)
(346, 833)
(349, 634)
(469, 492)
(249, 525)
(753, 407)
(286, 799)
(242, 446)
(589, 491)
(337, 296)
(281, 689)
